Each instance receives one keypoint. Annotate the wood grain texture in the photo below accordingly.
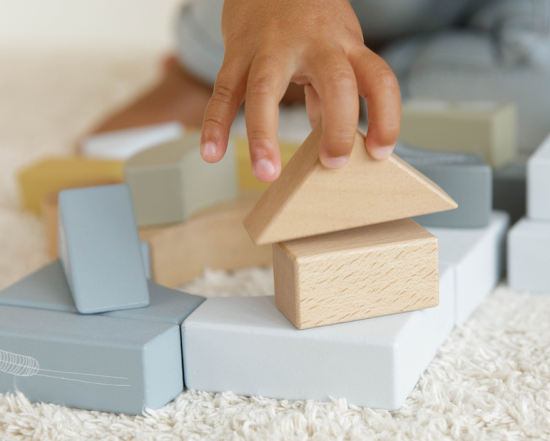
(356, 274)
(214, 238)
(308, 199)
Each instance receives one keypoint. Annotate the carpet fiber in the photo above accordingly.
(490, 380)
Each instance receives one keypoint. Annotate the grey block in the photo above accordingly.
(538, 182)
(510, 190)
(100, 250)
(467, 178)
(477, 256)
(247, 346)
(171, 182)
(89, 362)
(529, 256)
(146, 256)
(47, 289)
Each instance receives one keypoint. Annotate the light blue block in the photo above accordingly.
(467, 178)
(477, 256)
(529, 256)
(146, 256)
(100, 250)
(47, 289)
(89, 361)
(247, 346)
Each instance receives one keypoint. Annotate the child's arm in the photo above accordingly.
(318, 43)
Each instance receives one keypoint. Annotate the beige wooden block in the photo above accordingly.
(356, 274)
(215, 238)
(307, 199)
(488, 129)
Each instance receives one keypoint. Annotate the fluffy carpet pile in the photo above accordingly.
(490, 380)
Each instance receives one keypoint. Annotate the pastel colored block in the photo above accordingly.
(538, 183)
(467, 178)
(529, 256)
(356, 274)
(171, 182)
(99, 249)
(89, 362)
(477, 255)
(510, 190)
(489, 129)
(247, 346)
(123, 144)
(308, 199)
(146, 256)
(47, 289)
(54, 174)
(215, 238)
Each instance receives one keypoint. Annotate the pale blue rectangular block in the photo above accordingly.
(467, 178)
(47, 288)
(477, 255)
(89, 361)
(538, 183)
(529, 256)
(146, 256)
(100, 250)
(247, 346)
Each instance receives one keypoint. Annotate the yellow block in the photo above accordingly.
(247, 180)
(55, 174)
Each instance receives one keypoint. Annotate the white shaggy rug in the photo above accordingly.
(491, 379)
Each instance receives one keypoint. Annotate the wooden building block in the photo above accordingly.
(55, 174)
(125, 143)
(308, 199)
(89, 362)
(247, 346)
(477, 256)
(48, 289)
(356, 274)
(510, 189)
(538, 183)
(489, 129)
(467, 178)
(529, 256)
(214, 238)
(171, 182)
(100, 250)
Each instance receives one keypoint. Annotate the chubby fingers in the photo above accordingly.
(334, 81)
(227, 96)
(267, 82)
(378, 84)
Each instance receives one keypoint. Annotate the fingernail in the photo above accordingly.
(208, 150)
(336, 162)
(264, 169)
(381, 152)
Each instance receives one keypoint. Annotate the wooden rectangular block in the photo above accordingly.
(477, 256)
(100, 250)
(538, 183)
(489, 129)
(464, 177)
(171, 182)
(356, 274)
(529, 256)
(47, 289)
(123, 144)
(89, 362)
(215, 238)
(247, 346)
(55, 174)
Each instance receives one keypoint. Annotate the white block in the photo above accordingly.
(529, 256)
(122, 144)
(247, 346)
(477, 255)
(538, 183)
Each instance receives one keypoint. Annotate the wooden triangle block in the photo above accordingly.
(308, 199)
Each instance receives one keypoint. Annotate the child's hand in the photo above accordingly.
(319, 43)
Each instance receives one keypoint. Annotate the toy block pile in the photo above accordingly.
(89, 330)
(529, 239)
